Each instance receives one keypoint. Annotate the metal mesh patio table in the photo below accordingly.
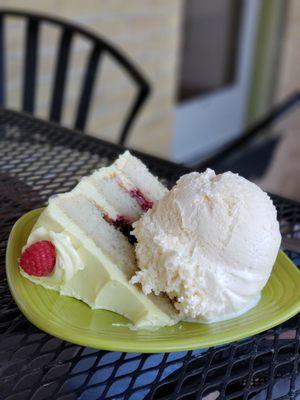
(38, 159)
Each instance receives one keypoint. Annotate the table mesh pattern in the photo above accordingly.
(38, 159)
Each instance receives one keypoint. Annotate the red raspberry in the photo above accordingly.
(39, 258)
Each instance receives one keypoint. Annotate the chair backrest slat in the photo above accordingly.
(2, 63)
(30, 63)
(87, 87)
(61, 70)
(99, 47)
(136, 106)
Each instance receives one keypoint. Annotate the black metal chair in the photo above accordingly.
(99, 47)
(220, 159)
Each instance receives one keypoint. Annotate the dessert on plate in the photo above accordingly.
(79, 246)
(210, 244)
(204, 250)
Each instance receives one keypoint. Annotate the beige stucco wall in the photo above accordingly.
(289, 77)
(146, 30)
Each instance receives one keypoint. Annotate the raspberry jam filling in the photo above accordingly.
(119, 222)
(122, 223)
(142, 201)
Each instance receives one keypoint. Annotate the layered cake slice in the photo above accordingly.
(123, 191)
(80, 244)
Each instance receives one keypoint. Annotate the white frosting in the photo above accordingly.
(210, 244)
(67, 262)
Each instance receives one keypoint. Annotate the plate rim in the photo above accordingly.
(127, 345)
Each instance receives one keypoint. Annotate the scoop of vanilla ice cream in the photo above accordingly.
(210, 244)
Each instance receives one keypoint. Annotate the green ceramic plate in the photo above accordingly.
(75, 322)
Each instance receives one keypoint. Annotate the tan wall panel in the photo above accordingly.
(289, 79)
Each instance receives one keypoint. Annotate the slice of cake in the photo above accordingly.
(80, 244)
(123, 191)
